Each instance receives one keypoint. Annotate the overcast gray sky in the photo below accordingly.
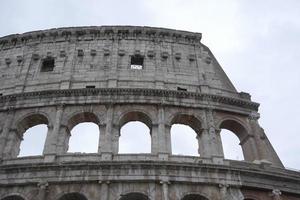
(256, 42)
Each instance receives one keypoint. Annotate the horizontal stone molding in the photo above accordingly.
(112, 96)
(101, 32)
(141, 168)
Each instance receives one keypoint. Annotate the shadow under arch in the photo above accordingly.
(234, 126)
(240, 130)
(82, 117)
(189, 120)
(135, 116)
(194, 197)
(72, 196)
(134, 196)
(13, 197)
(31, 120)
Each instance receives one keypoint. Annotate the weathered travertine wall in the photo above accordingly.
(91, 80)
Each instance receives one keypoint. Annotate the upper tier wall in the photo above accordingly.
(101, 57)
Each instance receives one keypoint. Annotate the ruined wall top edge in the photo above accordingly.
(110, 57)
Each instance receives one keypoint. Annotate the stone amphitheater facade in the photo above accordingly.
(112, 75)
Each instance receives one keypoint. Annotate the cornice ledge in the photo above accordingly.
(101, 32)
(133, 91)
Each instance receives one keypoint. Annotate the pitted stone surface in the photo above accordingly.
(62, 77)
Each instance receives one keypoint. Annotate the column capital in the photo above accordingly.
(276, 193)
(43, 185)
(254, 116)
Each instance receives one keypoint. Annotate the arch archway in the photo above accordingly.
(84, 133)
(134, 196)
(73, 196)
(238, 129)
(32, 130)
(194, 197)
(135, 133)
(184, 131)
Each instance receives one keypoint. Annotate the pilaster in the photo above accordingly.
(53, 132)
(5, 131)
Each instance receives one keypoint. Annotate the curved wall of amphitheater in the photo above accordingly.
(113, 75)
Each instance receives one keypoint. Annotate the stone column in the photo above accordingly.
(102, 128)
(210, 144)
(43, 189)
(154, 139)
(108, 141)
(63, 140)
(165, 190)
(249, 148)
(12, 144)
(104, 189)
(264, 148)
(5, 131)
(223, 191)
(276, 194)
(162, 140)
(51, 145)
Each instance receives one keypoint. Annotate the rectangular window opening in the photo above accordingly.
(181, 89)
(90, 86)
(137, 62)
(48, 65)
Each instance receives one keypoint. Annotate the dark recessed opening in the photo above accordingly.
(1, 94)
(48, 65)
(90, 86)
(181, 89)
(137, 62)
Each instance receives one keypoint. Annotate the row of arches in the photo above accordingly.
(128, 196)
(135, 132)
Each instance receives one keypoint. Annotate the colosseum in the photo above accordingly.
(112, 75)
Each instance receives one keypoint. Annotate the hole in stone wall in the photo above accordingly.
(137, 62)
(183, 140)
(84, 138)
(90, 86)
(232, 149)
(33, 141)
(48, 64)
(135, 138)
(181, 89)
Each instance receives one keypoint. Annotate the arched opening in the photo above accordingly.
(84, 138)
(13, 197)
(231, 145)
(183, 140)
(73, 196)
(184, 132)
(134, 196)
(85, 133)
(194, 197)
(232, 133)
(33, 141)
(33, 130)
(135, 133)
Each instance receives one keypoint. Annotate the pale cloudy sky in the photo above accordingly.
(256, 42)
